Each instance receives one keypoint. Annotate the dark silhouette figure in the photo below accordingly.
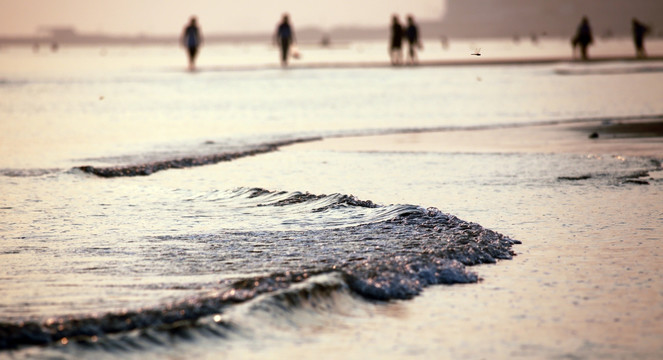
(412, 34)
(396, 44)
(583, 38)
(191, 40)
(639, 32)
(284, 37)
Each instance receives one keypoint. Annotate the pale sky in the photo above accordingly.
(164, 17)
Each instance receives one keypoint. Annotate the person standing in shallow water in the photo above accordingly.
(396, 44)
(583, 38)
(639, 31)
(191, 40)
(412, 34)
(284, 38)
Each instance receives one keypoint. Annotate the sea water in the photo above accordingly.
(145, 207)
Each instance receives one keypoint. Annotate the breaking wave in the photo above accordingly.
(389, 252)
(186, 162)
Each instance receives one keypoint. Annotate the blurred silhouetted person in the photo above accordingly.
(412, 34)
(396, 44)
(583, 38)
(639, 32)
(191, 39)
(284, 37)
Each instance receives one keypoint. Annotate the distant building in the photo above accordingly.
(482, 18)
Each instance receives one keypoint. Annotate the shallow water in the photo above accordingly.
(132, 105)
(249, 253)
(320, 312)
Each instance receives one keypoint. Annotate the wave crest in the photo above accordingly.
(186, 162)
(395, 253)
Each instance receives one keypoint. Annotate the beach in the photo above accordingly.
(633, 137)
(588, 283)
(483, 209)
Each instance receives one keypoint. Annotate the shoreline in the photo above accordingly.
(484, 61)
(453, 62)
(585, 282)
(635, 137)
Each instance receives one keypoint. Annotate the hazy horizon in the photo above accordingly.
(126, 17)
(455, 18)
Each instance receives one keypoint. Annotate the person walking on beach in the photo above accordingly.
(396, 44)
(191, 40)
(412, 34)
(583, 38)
(284, 37)
(639, 32)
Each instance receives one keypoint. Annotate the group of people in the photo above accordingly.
(583, 37)
(284, 37)
(410, 33)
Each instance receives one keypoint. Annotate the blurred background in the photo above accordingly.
(159, 22)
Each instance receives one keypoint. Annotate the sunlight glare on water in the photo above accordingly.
(135, 102)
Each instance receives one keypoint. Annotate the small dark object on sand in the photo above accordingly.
(574, 178)
(594, 135)
(636, 182)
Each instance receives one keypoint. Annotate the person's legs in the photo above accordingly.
(285, 48)
(412, 53)
(193, 51)
(639, 48)
(396, 55)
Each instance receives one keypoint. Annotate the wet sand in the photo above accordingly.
(588, 279)
(631, 138)
(487, 60)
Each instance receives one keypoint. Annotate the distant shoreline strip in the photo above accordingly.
(414, 130)
(194, 161)
(474, 61)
